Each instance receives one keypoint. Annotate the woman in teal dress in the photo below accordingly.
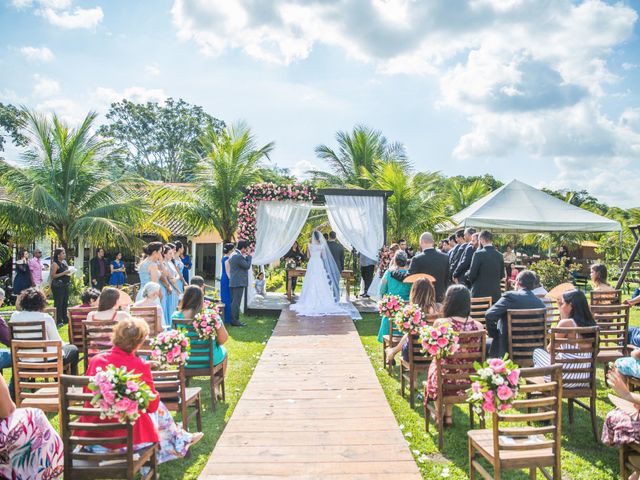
(192, 303)
(392, 284)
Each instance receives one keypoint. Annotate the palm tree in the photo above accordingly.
(358, 151)
(64, 190)
(231, 162)
(462, 195)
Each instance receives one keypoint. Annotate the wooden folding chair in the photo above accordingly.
(96, 338)
(37, 367)
(613, 321)
(149, 315)
(77, 315)
(629, 460)
(390, 340)
(410, 368)
(200, 362)
(79, 464)
(177, 397)
(527, 330)
(479, 307)
(606, 297)
(452, 378)
(35, 330)
(510, 446)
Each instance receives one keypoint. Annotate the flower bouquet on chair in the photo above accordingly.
(119, 394)
(439, 342)
(207, 322)
(170, 348)
(495, 385)
(410, 319)
(389, 305)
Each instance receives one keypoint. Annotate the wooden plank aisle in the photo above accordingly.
(312, 410)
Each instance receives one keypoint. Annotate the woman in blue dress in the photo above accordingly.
(225, 291)
(117, 271)
(177, 261)
(186, 262)
(392, 283)
(148, 268)
(170, 282)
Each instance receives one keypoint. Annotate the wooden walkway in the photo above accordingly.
(312, 410)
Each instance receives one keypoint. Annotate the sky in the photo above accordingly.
(545, 91)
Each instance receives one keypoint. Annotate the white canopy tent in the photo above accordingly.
(519, 208)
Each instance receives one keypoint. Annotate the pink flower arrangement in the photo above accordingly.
(439, 342)
(410, 319)
(495, 385)
(170, 348)
(119, 394)
(207, 322)
(389, 305)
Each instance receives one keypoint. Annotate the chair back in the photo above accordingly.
(200, 360)
(31, 331)
(453, 373)
(613, 321)
(416, 357)
(53, 312)
(546, 402)
(169, 386)
(79, 464)
(479, 307)
(578, 374)
(553, 312)
(96, 338)
(606, 297)
(37, 367)
(149, 315)
(527, 331)
(77, 315)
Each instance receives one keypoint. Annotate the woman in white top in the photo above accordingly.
(108, 306)
(151, 298)
(599, 277)
(32, 304)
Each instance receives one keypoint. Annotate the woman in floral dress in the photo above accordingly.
(30, 449)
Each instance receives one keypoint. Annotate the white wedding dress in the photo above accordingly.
(317, 297)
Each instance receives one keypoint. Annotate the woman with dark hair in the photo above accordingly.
(89, 298)
(456, 311)
(118, 270)
(191, 304)
(295, 256)
(148, 268)
(60, 277)
(599, 276)
(225, 290)
(22, 280)
(32, 308)
(186, 262)
(574, 313)
(170, 283)
(109, 307)
(177, 261)
(392, 284)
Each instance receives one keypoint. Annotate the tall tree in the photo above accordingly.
(358, 151)
(11, 118)
(462, 194)
(62, 191)
(159, 139)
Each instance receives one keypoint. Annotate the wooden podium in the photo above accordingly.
(300, 272)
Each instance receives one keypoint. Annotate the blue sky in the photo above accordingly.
(543, 91)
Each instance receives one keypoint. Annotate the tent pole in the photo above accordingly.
(620, 246)
(549, 249)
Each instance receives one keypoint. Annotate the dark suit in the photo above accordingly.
(464, 263)
(496, 317)
(94, 272)
(485, 273)
(337, 251)
(239, 266)
(454, 253)
(435, 264)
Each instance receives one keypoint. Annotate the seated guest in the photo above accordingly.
(574, 313)
(486, 269)
(433, 263)
(31, 448)
(599, 278)
(155, 425)
(522, 298)
(198, 281)
(621, 427)
(456, 312)
(392, 284)
(33, 303)
(541, 292)
(191, 304)
(108, 306)
(424, 295)
(89, 298)
(151, 298)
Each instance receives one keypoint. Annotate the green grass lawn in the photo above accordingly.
(581, 456)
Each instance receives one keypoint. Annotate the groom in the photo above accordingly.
(239, 265)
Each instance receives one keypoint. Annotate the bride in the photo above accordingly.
(320, 290)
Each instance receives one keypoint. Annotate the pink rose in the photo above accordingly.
(104, 405)
(488, 396)
(443, 329)
(504, 393)
(109, 397)
(513, 377)
(442, 342)
(475, 387)
(433, 350)
(105, 387)
(169, 357)
(434, 334)
(504, 406)
(489, 407)
(132, 386)
(497, 365)
(122, 405)
(132, 407)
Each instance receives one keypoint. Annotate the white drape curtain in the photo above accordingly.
(358, 222)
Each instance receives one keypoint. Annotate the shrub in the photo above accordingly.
(551, 274)
(275, 280)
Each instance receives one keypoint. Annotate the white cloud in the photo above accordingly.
(153, 70)
(45, 87)
(37, 53)
(103, 96)
(629, 66)
(67, 109)
(300, 169)
(87, 18)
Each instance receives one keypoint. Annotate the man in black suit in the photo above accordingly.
(432, 262)
(487, 269)
(455, 251)
(467, 235)
(337, 250)
(521, 299)
(460, 272)
(99, 269)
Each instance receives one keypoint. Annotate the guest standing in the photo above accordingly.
(118, 270)
(35, 266)
(433, 263)
(455, 252)
(149, 266)
(392, 283)
(98, 269)
(510, 259)
(367, 269)
(169, 281)
(464, 264)
(22, 280)
(337, 250)
(59, 277)
(239, 265)
(186, 262)
(297, 256)
(487, 269)
(225, 291)
(177, 261)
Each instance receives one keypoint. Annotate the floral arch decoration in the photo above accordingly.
(267, 192)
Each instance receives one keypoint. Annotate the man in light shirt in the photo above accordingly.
(35, 266)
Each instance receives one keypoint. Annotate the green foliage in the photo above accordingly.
(462, 193)
(159, 140)
(76, 287)
(11, 121)
(275, 280)
(551, 274)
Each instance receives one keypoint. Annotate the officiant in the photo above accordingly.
(293, 259)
